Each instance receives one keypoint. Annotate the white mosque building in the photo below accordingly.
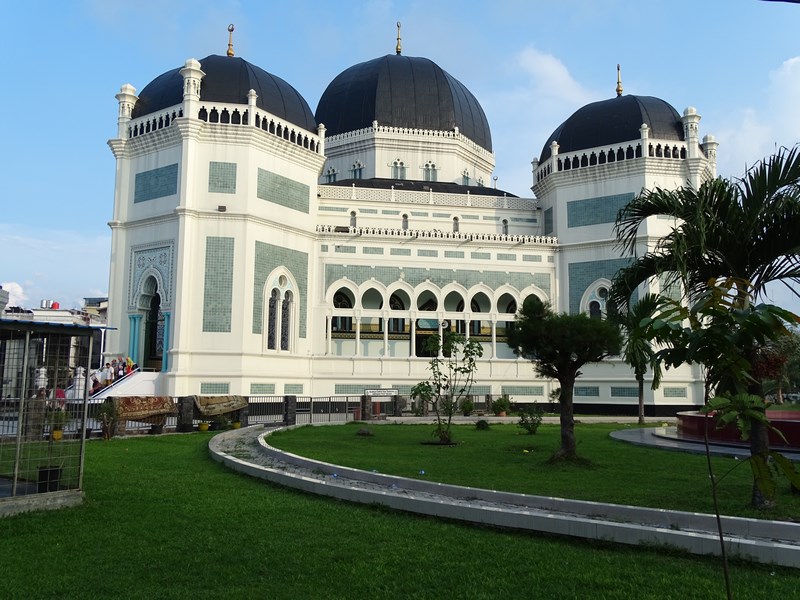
(259, 248)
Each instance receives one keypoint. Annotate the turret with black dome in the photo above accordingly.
(405, 92)
(611, 122)
(228, 80)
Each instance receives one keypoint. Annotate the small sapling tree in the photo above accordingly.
(452, 370)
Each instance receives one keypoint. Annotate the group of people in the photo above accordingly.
(113, 371)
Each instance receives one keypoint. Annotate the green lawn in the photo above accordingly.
(162, 520)
(618, 472)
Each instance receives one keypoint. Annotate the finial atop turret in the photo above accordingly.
(230, 39)
(619, 81)
(398, 49)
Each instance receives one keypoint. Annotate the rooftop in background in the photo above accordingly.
(443, 187)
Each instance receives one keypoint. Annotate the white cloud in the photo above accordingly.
(16, 295)
(754, 132)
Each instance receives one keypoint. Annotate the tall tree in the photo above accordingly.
(559, 345)
(743, 231)
(637, 347)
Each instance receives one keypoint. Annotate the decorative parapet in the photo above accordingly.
(432, 234)
(370, 132)
(668, 150)
(228, 114)
(333, 192)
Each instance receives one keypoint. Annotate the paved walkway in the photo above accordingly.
(247, 451)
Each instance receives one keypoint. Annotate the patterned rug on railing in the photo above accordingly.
(210, 406)
(139, 408)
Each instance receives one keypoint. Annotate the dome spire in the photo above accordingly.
(619, 81)
(398, 49)
(230, 40)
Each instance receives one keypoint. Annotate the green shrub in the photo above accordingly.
(530, 417)
(501, 405)
(482, 425)
(467, 406)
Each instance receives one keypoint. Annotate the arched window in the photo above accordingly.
(429, 171)
(281, 315)
(464, 177)
(272, 319)
(505, 226)
(396, 325)
(455, 224)
(353, 218)
(405, 222)
(358, 170)
(595, 300)
(340, 324)
(594, 310)
(286, 319)
(398, 169)
(330, 175)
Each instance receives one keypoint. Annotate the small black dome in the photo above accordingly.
(402, 91)
(228, 79)
(613, 121)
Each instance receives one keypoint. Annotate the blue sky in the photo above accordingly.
(530, 63)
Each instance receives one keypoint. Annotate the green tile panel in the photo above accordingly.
(323, 248)
(215, 388)
(624, 392)
(268, 258)
(674, 392)
(480, 255)
(453, 254)
(418, 214)
(222, 177)
(531, 258)
(156, 183)
(390, 212)
(368, 211)
(521, 220)
(400, 251)
(428, 253)
(548, 221)
(596, 211)
(292, 389)
(471, 217)
(582, 274)
(503, 256)
(586, 391)
(333, 209)
(282, 190)
(262, 389)
(345, 249)
(440, 215)
(372, 250)
(491, 218)
(218, 284)
(523, 390)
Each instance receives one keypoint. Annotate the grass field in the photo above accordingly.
(162, 520)
(503, 458)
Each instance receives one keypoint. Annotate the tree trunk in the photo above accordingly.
(759, 445)
(568, 446)
(640, 381)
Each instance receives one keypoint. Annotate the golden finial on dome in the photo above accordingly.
(619, 81)
(230, 39)
(398, 49)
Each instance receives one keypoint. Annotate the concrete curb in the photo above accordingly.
(773, 542)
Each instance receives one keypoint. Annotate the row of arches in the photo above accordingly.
(397, 320)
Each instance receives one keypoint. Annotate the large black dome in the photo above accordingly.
(228, 79)
(402, 91)
(613, 121)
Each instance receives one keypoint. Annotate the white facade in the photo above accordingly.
(240, 266)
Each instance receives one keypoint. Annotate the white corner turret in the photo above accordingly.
(192, 76)
(127, 100)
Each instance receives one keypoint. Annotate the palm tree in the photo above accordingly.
(743, 230)
(637, 347)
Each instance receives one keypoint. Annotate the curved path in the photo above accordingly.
(247, 451)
